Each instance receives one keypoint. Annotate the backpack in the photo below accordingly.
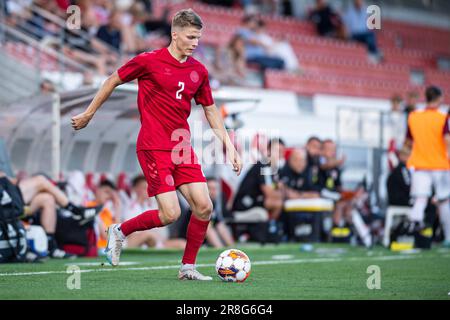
(13, 242)
(75, 238)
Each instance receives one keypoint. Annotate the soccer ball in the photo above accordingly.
(233, 266)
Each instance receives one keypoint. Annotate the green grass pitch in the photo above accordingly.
(278, 272)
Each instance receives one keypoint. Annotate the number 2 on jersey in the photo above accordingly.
(181, 85)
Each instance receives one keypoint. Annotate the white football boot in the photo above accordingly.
(192, 274)
(114, 245)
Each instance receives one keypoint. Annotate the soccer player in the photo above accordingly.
(168, 79)
(429, 135)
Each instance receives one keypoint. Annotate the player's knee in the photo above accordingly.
(204, 210)
(41, 181)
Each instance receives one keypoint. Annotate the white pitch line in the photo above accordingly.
(267, 262)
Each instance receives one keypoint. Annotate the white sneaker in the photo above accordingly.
(114, 245)
(192, 274)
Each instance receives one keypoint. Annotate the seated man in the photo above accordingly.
(330, 172)
(255, 50)
(355, 21)
(42, 196)
(313, 157)
(295, 176)
(259, 197)
(399, 182)
(349, 213)
(138, 203)
(328, 22)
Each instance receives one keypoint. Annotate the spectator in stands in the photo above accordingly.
(218, 233)
(286, 8)
(81, 46)
(256, 51)
(277, 49)
(224, 3)
(234, 59)
(260, 195)
(155, 24)
(355, 19)
(78, 47)
(314, 153)
(141, 28)
(227, 65)
(102, 10)
(295, 177)
(327, 21)
(110, 33)
(89, 17)
(135, 33)
(260, 6)
(140, 202)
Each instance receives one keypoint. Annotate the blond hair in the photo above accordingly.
(187, 18)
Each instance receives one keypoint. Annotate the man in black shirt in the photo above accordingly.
(330, 177)
(111, 33)
(328, 22)
(314, 153)
(259, 187)
(399, 182)
(295, 177)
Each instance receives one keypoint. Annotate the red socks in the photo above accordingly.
(144, 221)
(195, 236)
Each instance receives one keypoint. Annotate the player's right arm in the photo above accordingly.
(133, 69)
(81, 120)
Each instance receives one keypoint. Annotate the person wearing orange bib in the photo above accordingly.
(429, 137)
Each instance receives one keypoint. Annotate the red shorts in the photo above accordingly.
(166, 170)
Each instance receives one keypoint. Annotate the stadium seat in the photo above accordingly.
(122, 183)
(391, 213)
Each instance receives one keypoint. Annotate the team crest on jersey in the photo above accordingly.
(194, 76)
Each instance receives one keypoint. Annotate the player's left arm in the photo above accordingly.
(216, 123)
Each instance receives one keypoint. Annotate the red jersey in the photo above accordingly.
(165, 90)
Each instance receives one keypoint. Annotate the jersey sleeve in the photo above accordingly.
(133, 69)
(203, 95)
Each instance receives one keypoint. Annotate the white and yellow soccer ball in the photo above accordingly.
(233, 265)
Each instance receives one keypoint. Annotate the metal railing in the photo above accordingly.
(61, 23)
(63, 63)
